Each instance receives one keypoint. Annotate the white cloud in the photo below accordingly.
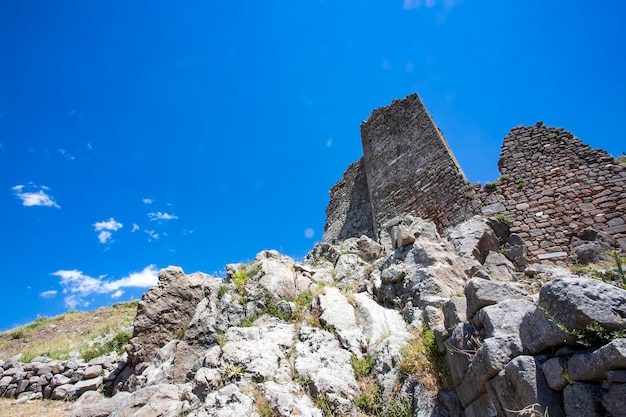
(148, 200)
(161, 216)
(111, 224)
(105, 228)
(37, 197)
(135, 227)
(153, 235)
(104, 236)
(65, 154)
(77, 285)
(48, 294)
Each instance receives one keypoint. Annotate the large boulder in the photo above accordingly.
(594, 366)
(522, 384)
(578, 303)
(590, 245)
(165, 310)
(482, 292)
(337, 313)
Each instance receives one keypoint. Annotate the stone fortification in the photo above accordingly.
(407, 167)
(553, 186)
(349, 212)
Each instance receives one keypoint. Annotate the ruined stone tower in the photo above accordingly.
(407, 167)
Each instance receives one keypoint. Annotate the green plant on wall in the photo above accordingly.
(503, 219)
(519, 184)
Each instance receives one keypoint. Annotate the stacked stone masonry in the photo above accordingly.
(55, 379)
(552, 185)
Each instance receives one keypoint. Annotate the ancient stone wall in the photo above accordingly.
(349, 212)
(409, 166)
(552, 186)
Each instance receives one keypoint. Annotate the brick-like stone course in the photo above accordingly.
(553, 185)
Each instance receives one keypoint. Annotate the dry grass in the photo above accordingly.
(34, 408)
(56, 337)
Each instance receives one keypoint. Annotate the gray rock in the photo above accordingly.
(538, 333)
(595, 365)
(580, 302)
(481, 293)
(499, 267)
(521, 384)
(388, 354)
(320, 360)
(278, 278)
(369, 250)
(461, 347)
(454, 312)
(94, 404)
(401, 235)
(59, 379)
(590, 245)
(62, 392)
(504, 318)
(205, 381)
(614, 401)
(490, 359)
(554, 370)
(483, 406)
(338, 314)
(260, 351)
(229, 401)
(473, 238)
(287, 400)
(376, 321)
(165, 310)
(515, 251)
(618, 376)
(86, 385)
(161, 400)
(92, 371)
(582, 400)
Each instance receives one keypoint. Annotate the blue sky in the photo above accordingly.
(136, 135)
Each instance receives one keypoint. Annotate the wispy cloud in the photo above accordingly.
(135, 227)
(148, 200)
(33, 195)
(65, 154)
(153, 235)
(76, 285)
(105, 228)
(48, 294)
(161, 216)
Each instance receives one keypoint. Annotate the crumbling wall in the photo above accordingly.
(409, 166)
(553, 186)
(349, 213)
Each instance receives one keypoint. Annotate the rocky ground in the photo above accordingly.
(417, 325)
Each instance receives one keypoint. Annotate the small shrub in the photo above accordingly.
(490, 186)
(619, 261)
(421, 357)
(222, 291)
(362, 367)
(503, 219)
(325, 404)
(519, 184)
(399, 406)
(242, 276)
(116, 344)
(370, 400)
(505, 178)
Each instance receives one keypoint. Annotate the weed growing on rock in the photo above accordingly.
(116, 344)
(325, 404)
(519, 184)
(242, 276)
(531, 410)
(222, 291)
(421, 357)
(619, 261)
(363, 366)
(490, 186)
(503, 219)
